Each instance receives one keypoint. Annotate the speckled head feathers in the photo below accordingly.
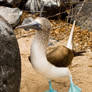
(45, 23)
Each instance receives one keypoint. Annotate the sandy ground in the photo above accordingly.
(32, 81)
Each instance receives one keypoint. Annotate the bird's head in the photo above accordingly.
(39, 24)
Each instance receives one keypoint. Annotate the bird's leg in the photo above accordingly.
(50, 87)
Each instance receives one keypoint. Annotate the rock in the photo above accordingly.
(10, 62)
(27, 20)
(12, 15)
(84, 19)
(13, 3)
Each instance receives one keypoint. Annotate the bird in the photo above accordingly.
(49, 67)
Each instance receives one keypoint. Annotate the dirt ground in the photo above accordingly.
(32, 81)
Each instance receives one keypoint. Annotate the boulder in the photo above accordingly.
(12, 15)
(10, 61)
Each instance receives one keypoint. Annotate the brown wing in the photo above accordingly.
(60, 56)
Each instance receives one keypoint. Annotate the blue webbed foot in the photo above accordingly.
(73, 87)
(50, 88)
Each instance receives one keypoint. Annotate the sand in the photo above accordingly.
(32, 81)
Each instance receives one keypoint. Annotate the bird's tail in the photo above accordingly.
(69, 43)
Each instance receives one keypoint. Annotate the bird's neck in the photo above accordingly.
(41, 40)
(38, 51)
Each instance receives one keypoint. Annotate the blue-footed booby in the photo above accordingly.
(51, 66)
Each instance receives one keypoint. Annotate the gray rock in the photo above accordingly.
(12, 15)
(10, 62)
(84, 19)
(27, 20)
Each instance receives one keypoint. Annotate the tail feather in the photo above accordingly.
(69, 43)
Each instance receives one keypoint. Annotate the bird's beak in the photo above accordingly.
(33, 25)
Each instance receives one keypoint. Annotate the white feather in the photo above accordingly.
(69, 43)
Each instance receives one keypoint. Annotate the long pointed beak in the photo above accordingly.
(33, 25)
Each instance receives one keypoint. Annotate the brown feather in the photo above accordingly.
(60, 56)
